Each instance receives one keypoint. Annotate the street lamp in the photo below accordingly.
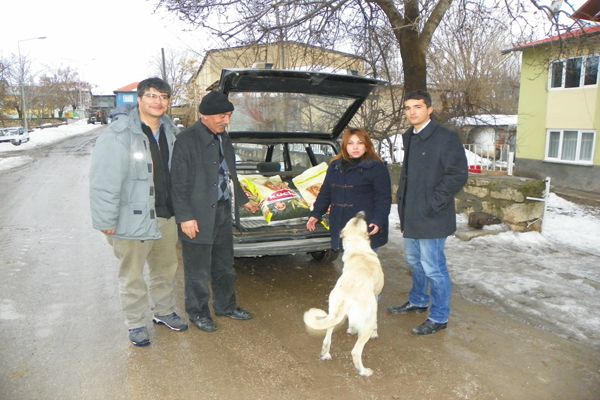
(22, 81)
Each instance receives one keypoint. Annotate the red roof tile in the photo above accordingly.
(129, 88)
(574, 34)
(589, 11)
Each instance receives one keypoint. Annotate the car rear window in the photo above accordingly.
(251, 155)
(286, 112)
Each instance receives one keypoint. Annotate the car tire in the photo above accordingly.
(16, 142)
(325, 256)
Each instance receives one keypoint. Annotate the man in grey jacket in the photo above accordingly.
(205, 188)
(131, 204)
(434, 170)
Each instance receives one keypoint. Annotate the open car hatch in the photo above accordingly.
(293, 104)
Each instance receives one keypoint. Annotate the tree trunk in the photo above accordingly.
(414, 65)
(412, 43)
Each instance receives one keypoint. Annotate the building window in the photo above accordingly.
(570, 146)
(574, 72)
(557, 73)
(591, 71)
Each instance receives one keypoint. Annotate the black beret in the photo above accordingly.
(215, 103)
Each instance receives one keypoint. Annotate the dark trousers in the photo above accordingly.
(210, 266)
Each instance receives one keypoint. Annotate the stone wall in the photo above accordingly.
(504, 197)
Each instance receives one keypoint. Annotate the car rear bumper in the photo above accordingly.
(281, 247)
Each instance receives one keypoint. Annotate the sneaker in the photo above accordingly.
(171, 321)
(406, 308)
(428, 327)
(139, 336)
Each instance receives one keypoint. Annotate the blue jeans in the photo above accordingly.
(430, 278)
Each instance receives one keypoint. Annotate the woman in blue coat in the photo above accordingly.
(356, 180)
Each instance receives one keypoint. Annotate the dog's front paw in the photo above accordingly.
(366, 372)
(325, 357)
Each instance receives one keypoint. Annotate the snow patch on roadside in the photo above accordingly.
(13, 162)
(8, 311)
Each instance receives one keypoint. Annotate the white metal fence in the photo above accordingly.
(483, 159)
(498, 159)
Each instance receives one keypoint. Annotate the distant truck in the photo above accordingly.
(98, 116)
(15, 135)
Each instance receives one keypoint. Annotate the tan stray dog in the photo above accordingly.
(354, 295)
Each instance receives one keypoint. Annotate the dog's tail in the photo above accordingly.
(318, 319)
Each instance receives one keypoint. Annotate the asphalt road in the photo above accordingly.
(63, 335)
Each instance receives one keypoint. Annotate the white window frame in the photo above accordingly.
(129, 98)
(577, 161)
(564, 73)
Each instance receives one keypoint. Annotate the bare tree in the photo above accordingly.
(467, 70)
(324, 23)
(59, 90)
(479, 79)
(381, 114)
(6, 95)
(17, 73)
(53, 91)
(179, 67)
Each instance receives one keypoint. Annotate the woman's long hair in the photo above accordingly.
(370, 153)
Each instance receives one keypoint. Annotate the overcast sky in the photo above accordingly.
(111, 42)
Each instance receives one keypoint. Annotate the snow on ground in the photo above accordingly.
(550, 279)
(38, 138)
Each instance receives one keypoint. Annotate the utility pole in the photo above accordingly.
(164, 67)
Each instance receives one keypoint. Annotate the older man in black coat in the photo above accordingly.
(433, 172)
(203, 166)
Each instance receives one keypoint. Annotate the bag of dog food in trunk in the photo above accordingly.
(309, 182)
(278, 202)
(252, 194)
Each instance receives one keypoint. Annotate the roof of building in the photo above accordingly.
(590, 11)
(274, 44)
(569, 35)
(132, 87)
(486, 120)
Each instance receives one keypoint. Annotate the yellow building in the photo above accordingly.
(559, 110)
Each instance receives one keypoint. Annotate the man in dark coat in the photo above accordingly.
(203, 176)
(434, 170)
